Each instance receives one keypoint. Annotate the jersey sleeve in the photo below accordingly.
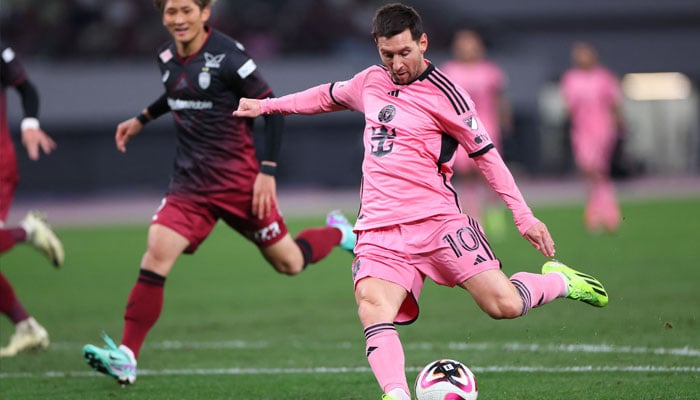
(613, 89)
(12, 71)
(463, 124)
(566, 90)
(243, 75)
(349, 93)
(328, 97)
(502, 182)
(500, 78)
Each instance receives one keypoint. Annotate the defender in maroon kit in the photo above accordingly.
(216, 174)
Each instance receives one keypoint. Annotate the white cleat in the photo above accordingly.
(28, 335)
(40, 235)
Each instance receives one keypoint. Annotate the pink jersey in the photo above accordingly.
(591, 96)
(411, 134)
(484, 81)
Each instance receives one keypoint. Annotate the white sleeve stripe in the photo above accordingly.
(247, 68)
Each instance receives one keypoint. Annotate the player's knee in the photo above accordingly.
(287, 267)
(506, 308)
(160, 265)
(371, 310)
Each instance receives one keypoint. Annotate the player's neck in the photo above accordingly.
(186, 49)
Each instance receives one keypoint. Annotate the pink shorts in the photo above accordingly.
(194, 218)
(593, 153)
(448, 249)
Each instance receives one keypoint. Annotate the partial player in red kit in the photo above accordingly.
(410, 225)
(33, 229)
(216, 174)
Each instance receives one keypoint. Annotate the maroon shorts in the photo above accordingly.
(195, 216)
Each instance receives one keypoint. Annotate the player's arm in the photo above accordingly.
(34, 138)
(505, 113)
(315, 100)
(501, 180)
(130, 127)
(265, 186)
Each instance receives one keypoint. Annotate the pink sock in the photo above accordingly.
(593, 207)
(385, 356)
(536, 289)
(609, 208)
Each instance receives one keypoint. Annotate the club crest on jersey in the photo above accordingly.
(213, 61)
(166, 55)
(387, 114)
(481, 139)
(204, 79)
(8, 55)
(471, 123)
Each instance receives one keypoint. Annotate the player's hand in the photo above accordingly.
(264, 195)
(35, 140)
(539, 237)
(125, 130)
(247, 108)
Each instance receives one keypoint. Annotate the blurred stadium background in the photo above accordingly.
(94, 64)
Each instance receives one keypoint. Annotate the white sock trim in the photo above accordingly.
(399, 394)
(128, 352)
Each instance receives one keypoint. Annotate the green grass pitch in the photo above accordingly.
(231, 328)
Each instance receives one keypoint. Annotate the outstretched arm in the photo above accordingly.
(315, 100)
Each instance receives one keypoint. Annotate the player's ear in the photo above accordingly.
(423, 43)
(206, 13)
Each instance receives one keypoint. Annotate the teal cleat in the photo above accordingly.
(581, 286)
(117, 362)
(336, 219)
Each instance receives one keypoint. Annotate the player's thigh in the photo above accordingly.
(164, 247)
(378, 300)
(491, 289)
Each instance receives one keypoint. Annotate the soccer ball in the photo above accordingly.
(445, 380)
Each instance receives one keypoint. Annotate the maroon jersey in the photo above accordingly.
(11, 74)
(215, 151)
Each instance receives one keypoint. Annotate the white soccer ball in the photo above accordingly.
(445, 380)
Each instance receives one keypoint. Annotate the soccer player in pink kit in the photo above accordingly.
(410, 225)
(33, 229)
(592, 95)
(485, 83)
(216, 174)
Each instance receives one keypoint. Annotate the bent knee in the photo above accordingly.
(506, 309)
(371, 311)
(288, 268)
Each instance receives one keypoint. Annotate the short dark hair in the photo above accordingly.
(160, 4)
(394, 18)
